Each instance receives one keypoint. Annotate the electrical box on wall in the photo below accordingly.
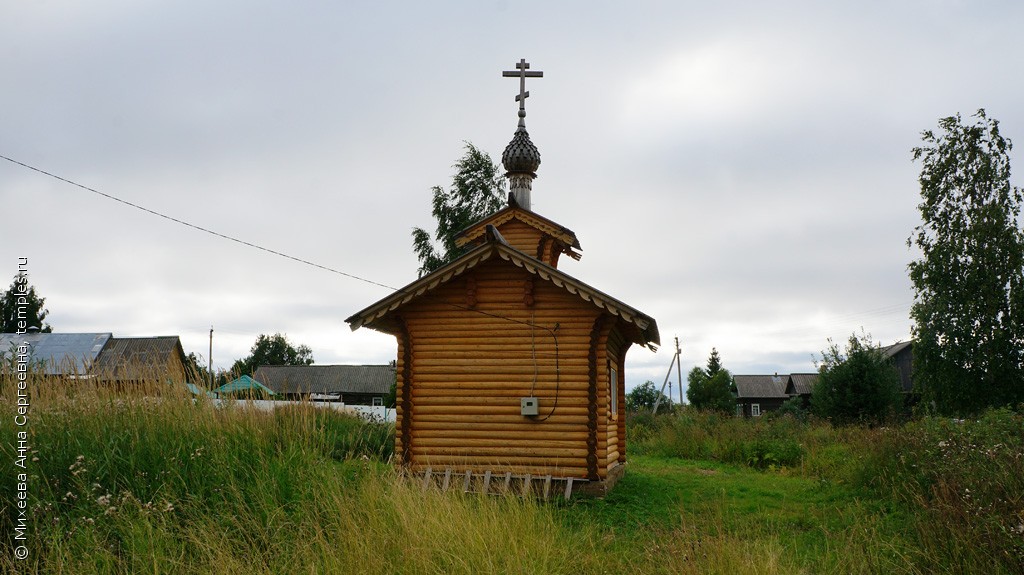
(529, 405)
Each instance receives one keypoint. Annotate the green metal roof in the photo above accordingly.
(244, 383)
(196, 390)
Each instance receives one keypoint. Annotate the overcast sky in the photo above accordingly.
(739, 171)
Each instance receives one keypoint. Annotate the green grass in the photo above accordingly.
(123, 484)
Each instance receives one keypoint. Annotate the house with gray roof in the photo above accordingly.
(902, 356)
(757, 394)
(350, 384)
(135, 359)
(801, 385)
(101, 356)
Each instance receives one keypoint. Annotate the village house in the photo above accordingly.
(349, 384)
(759, 394)
(100, 356)
(801, 385)
(507, 365)
(902, 356)
(126, 360)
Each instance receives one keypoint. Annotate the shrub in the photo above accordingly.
(860, 386)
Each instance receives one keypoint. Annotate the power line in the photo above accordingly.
(194, 226)
(258, 247)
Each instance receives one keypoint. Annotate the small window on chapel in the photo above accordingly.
(613, 391)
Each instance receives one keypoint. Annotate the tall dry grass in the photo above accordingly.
(149, 479)
(960, 482)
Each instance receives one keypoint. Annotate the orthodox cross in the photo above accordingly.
(521, 72)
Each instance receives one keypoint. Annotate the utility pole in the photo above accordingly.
(211, 357)
(679, 370)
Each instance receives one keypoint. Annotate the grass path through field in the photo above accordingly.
(721, 518)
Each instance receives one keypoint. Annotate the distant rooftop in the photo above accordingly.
(60, 353)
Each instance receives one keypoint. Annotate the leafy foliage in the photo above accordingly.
(711, 389)
(22, 295)
(477, 191)
(273, 350)
(969, 283)
(644, 396)
(860, 386)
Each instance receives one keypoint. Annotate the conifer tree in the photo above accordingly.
(21, 307)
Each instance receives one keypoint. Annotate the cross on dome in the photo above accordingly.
(522, 73)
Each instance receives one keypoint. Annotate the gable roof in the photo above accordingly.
(494, 247)
(60, 353)
(760, 386)
(196, 390)
(530, 218)
(801, 383)
(328, 379)
(892, 350)
(243, 383)
(132, 357)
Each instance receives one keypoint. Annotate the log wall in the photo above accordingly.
(463, 367)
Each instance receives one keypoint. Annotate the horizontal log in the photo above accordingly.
(435, 368)
(526, 444)
(514, 309)
(511, 427)
(441, 333)
(576, 377)
(450, 329)
(500, 452)
(484, 384)
(525, 441)
(499, 435)
(424, 400)
(487, 410)
(473, 350)
(520, 389)
(434, 321)
(492, 364)
(420, 465)
(430, 345)
(498, 460)
(558, 418)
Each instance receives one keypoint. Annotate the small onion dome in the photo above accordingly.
(520, 155)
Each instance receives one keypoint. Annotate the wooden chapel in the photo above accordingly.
(507, 366)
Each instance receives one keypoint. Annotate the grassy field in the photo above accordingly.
(133, 485)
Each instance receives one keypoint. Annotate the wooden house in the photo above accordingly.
(758, 394)
(102, 357)
(141, 359)
(801, 385)
(506, 364)
(349, 384)
(902, 356)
